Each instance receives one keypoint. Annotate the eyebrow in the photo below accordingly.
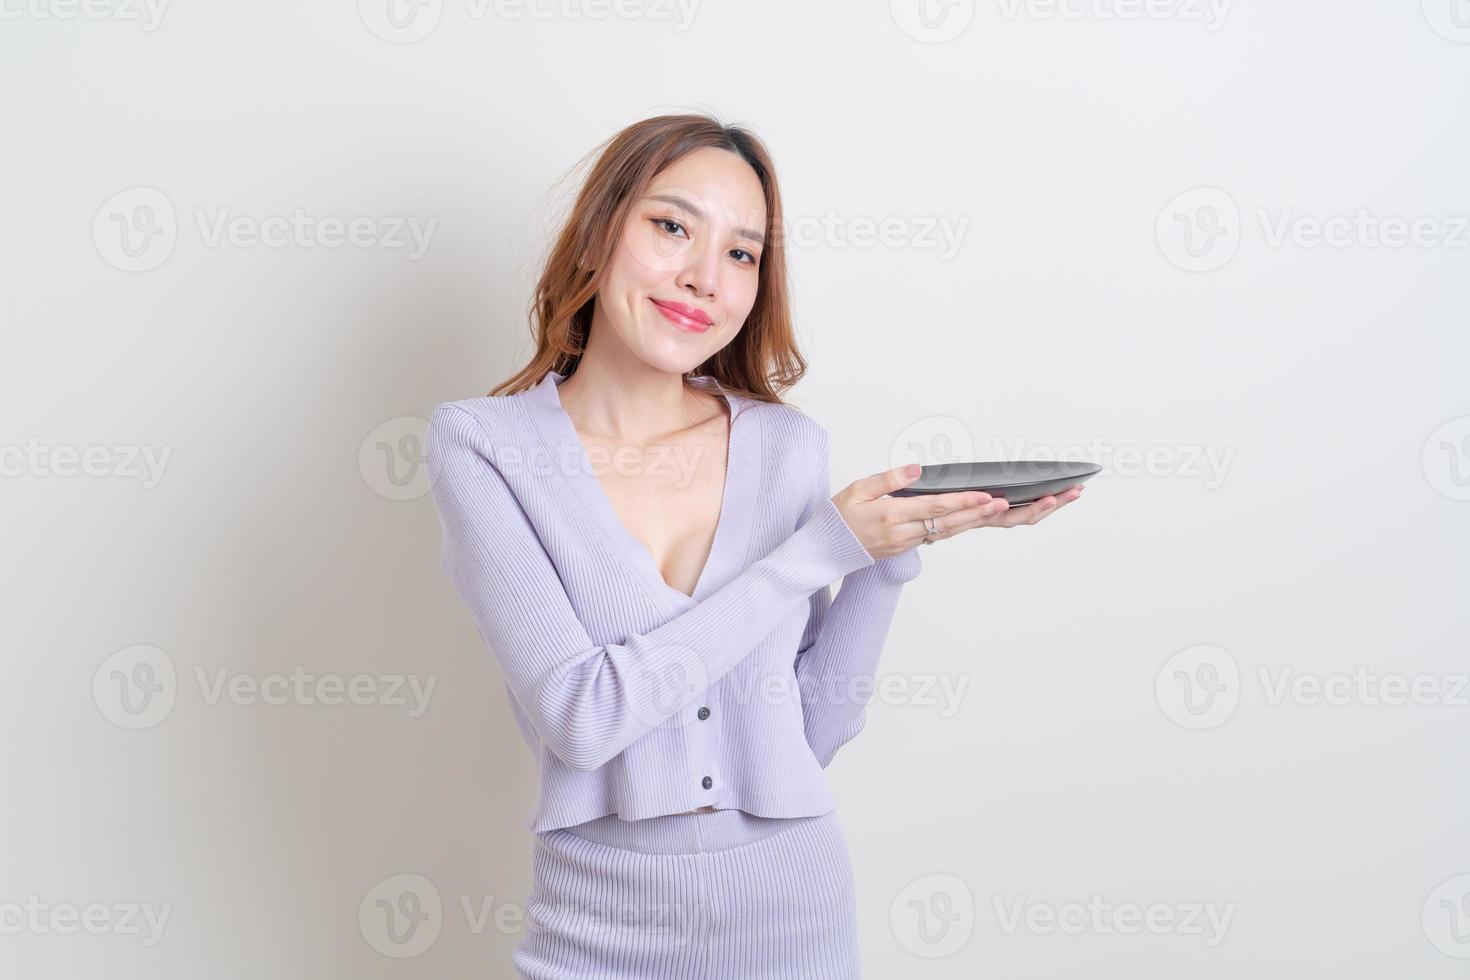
(680, 202)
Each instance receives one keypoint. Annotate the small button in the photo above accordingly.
(706, 782)
(703, 713)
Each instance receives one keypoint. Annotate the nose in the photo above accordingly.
(702, 272)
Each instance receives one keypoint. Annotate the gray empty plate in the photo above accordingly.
(1018, 481)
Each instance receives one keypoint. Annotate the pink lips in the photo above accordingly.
(683, 315)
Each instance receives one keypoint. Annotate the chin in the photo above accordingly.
(670, 362)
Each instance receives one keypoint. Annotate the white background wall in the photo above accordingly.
(1284, 423)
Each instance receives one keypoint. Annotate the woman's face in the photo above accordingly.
(684, 273)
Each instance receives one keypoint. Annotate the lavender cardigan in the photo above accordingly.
(636, 698)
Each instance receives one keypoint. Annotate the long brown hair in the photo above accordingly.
(761, 361)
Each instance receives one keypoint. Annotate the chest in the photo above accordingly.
(669, 497)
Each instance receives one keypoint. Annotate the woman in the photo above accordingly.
(664, 620)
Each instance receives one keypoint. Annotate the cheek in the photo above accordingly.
(648, 255)
(740, 293)
(627, 281)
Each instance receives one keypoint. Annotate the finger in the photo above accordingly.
(880, 484)
(1062, 495)
(968, 518)
(920, 506)
(1038, 510)
(1043, 508)
(915, 506)
(1067, 496)
(1000, 513)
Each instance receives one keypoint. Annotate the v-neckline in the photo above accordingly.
(741, 480)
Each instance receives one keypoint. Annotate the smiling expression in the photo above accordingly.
(685, 272)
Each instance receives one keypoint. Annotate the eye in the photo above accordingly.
(664, 224)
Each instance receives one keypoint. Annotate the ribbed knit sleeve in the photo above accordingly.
(588, 702)
(843, 640)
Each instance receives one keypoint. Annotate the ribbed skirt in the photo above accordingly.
(687, 896)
